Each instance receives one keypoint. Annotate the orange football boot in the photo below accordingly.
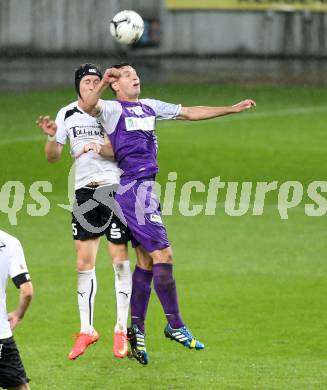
(82, 341)
(120, 344)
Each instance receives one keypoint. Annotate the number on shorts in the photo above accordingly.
(74, 229)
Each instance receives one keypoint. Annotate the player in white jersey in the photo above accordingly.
(94, 174)
(13, 265)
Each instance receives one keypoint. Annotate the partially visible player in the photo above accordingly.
(130, 124)
(13, 265)
(94, 172)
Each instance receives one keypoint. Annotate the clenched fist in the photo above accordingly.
(111, 75)
(244, 105)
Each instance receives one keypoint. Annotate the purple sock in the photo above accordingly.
(165, 287)
(140, 296)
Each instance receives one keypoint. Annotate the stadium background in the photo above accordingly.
(252, 288)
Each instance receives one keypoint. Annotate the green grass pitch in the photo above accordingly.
(252, 288)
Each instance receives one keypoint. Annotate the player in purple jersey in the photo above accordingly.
(130, 125)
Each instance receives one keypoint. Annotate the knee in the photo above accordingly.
(163, 256)
(144, 260)
(84, 264)
(168, 256)
(118, 252)
(145, 263)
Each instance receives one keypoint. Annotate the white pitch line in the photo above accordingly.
(248, 115)
(265, 114)
(282, 112)
(14, 140)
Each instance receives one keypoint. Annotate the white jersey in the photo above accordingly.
(13, 265)
(81, 128)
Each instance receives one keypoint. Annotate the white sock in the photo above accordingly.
(86, 290)
(123, 286)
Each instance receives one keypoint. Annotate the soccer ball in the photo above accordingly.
(127, 27)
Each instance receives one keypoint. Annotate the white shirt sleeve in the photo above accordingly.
(61, 134)
(110, 112)
(17, 263)
(163, 110)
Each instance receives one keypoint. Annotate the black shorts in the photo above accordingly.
(12, 372)
(99, 220)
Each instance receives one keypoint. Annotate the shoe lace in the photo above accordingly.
(186, 332)
(80, 338)
(121, 338)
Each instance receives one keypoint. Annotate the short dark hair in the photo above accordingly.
(84, 70)
(118, 66)
(121, 65)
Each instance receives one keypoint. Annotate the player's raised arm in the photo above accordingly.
(52, 148)
(90, 103)
(198, 113)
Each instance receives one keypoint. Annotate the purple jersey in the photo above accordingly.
(131, 129)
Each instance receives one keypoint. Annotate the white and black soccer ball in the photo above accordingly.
(127, 27)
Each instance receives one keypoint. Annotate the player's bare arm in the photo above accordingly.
(104, 150)
(90, 103)
(52, 148)
(198, 113)
(25, 297)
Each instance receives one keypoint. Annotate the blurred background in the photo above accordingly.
(252, 289)
(223, 41)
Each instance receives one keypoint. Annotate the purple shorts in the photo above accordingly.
(140, 208)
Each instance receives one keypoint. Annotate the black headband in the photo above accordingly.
(85, 70)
